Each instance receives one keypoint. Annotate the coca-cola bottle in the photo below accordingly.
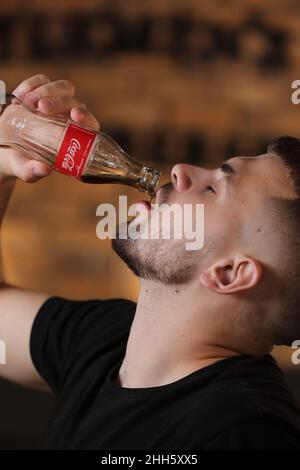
(78, 151)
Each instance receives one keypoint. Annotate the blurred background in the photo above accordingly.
(171, 81)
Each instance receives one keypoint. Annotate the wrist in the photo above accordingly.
(7, 179)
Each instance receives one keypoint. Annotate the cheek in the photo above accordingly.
(221, 222)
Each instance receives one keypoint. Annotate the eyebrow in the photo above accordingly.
(227, 168)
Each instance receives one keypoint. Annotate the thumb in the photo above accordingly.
(14, 163)
(32, 171)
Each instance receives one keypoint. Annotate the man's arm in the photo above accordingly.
(19, 307)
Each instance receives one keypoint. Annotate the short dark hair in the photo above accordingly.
(287, 148)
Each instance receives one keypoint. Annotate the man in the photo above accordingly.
(188, 367)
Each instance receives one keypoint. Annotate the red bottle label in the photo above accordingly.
(74, 150)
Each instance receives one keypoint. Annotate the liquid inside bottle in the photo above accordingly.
(109, 163)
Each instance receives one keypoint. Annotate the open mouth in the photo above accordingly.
(154, 201)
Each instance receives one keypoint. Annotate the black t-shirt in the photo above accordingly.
(78, 347)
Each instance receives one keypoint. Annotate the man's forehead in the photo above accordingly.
(262, 162)
(254, 158)
(269, 167)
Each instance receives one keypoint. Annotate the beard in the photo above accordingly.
(165, 261)
(161, 260)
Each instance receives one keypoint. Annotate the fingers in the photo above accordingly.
(13, 163)
(85, 118)
(62, 88)
(30, 84)
(58, 105)
(40, 86)
(79, 113)
(32, 171)
(55, 98)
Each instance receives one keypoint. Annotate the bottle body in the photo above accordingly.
(78, 151)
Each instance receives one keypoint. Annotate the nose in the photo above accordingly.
(181, 176)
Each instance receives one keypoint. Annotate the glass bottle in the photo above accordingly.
(72, 149)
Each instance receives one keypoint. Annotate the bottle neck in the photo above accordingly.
(148, 180)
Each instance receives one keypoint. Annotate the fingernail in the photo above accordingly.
(17, 93)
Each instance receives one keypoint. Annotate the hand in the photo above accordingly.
(52, 98)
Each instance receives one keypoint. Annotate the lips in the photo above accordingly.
(146, 204)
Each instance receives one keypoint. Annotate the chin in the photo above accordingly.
(164, 261)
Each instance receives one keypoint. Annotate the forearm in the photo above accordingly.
(18, 309)
(7, 185)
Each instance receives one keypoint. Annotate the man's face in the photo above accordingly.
(234, 196)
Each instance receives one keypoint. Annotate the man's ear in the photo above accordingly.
(232, 275)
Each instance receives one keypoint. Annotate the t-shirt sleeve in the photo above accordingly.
(258, 434)
(61, 325)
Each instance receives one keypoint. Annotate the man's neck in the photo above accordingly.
(171, 337)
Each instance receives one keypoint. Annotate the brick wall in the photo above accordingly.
(171, 81)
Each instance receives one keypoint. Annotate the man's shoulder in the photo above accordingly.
(111, 305)
(83, 321)
(239, 396)
(62, 305)
(252, 390)
(100, 315)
